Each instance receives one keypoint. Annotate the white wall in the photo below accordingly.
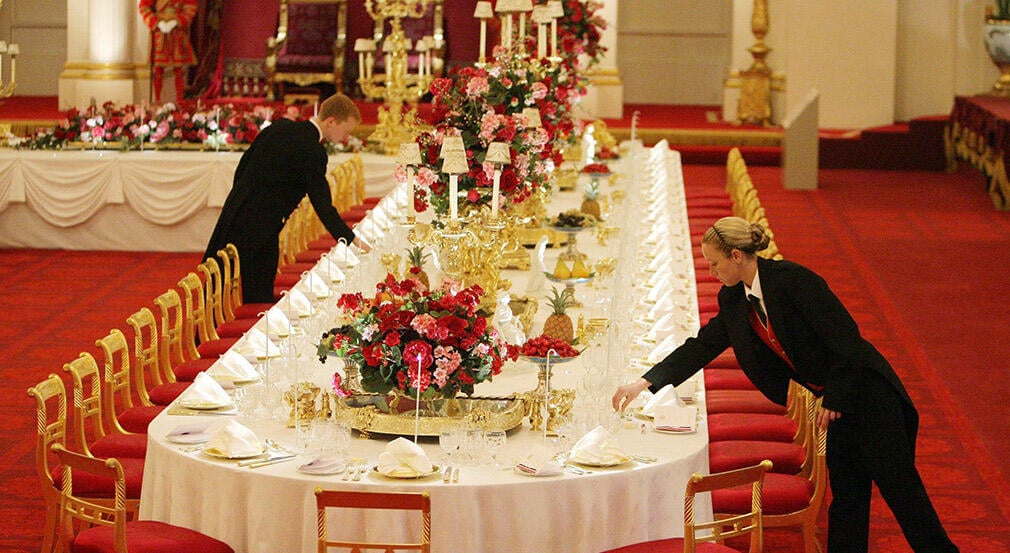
(39, 27)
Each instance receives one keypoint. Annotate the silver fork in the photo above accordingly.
(357, 473)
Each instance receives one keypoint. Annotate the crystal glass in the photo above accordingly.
(473, 447)
(495, 441)
(449, 441)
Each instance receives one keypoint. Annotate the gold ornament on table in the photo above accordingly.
(302, 399)
(396, 86)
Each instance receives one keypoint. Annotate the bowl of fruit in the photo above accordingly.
(547, 349)
(572, 220)
(596, 169)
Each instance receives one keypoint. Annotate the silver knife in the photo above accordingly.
(271, 461)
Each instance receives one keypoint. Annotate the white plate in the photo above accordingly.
(331, 468)
(435, 469)
(601, 464)
(203, 405)
(214, 452)
(188, 438)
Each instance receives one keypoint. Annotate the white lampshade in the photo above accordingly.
(13, 49)
(506, 6)
(452, 144)
(410, 154)
(483, 10)
(524, 5)
(387, 45)
(455, 163)
(498, 152)
(542, 14)
(533, 118)
(422, 46)
(557, 8)
(364, 45)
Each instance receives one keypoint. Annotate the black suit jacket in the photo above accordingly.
(815, 330)
(283, 164)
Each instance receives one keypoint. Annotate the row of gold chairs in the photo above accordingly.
(746, 203)
(347, 189)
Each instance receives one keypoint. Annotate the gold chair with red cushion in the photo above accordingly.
(94, 435)
(117, 393)
(308, 47)
(154, 383)
(88, 526)
(198, 328)
(184, 362)
(225, 326)
(418, 502)
(708, 537)
(231, 273)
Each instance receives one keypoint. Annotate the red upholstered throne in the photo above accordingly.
(309, 45)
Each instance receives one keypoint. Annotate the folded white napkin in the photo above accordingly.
(313, 286)
(676, 418)
(189, 433)
(204, 392)
(380, 218)
(167, 26)
(234, 440)
(329, 269)
(254, 345)
(663, 349)
(324, 464)
(667, 395)
(687, 390)
(404, 459)
(366, 228)
(663, 305)
(295, 304)
(598, 447)
(232, 367)
(276, 320)
(539, 462)
(343, 255)
(663, 326)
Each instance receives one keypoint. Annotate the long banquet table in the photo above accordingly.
(271, 509)
(111, 200)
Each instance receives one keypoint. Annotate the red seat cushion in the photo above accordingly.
(216, 348)
(786, 458)
(324, 242)
(90, 485)
(120, 445)
(148, 536)
(740, 401)
(137, 419)
(297, 268)
(726, 360)
(708, 290)
(671, 545)
(708, 212)
(751, 426)
(708, 305)
(712, 200)
(287, 280)
(309, 256)
(166, 393)
(186, 372)
(781, 494)
(716, 193)
(727, 379)
(235, 328)
(253, 310)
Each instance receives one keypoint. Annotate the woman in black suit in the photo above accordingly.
(285, 162)
(784, 323)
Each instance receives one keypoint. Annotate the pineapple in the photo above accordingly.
(590, 202)
(559, 324)
(416, 257)
(561, 270)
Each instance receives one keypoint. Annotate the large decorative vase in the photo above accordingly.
(997, 43)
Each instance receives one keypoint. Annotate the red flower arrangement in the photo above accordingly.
(412, 340)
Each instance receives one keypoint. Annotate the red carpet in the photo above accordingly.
(915, 257)
(920, 259)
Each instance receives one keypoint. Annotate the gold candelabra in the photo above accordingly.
(7, 87)
(397, 85)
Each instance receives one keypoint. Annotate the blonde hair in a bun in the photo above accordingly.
(734, 233)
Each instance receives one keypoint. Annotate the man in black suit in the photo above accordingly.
(784, 323)
(285, 162)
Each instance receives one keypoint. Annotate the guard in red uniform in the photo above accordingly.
(169, 22)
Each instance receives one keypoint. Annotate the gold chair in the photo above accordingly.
(232, 276)
(198, 323)
(178, 355)
(402, 501)
(309, 45)
(121, 415)
(713, 534)
(84, 522)
(154, 381)
(95, 435)
(224, 323)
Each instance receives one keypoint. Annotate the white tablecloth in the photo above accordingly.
(109, 200)
(271, 509)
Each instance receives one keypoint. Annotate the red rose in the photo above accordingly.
(372, 354)
(392, 339)
(453, 324)
(416, 350)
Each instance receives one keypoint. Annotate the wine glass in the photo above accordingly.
(448, 440)
(495, 441)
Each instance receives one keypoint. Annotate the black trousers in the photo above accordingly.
(877, 446)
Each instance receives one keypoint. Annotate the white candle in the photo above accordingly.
(495, 192)
(453, 197)
(410, 190)
(554, 37)
(483, 39)
(417, 406)
(506, 31)
(541, 41)
(369, 63)
(361, 65)
(522, 26)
